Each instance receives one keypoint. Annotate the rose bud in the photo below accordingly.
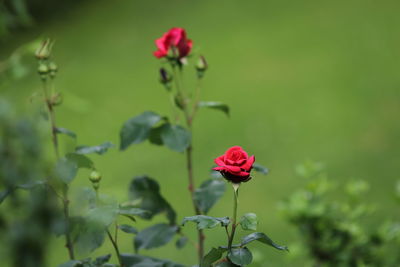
(53, 69)
(202, 64)
(43, 52)
(43, 69)
(235, 165)
(95, 177)
(201, 67)
(165, 77)
(175, 43)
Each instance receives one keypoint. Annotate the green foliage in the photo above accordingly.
(209, 193)
(27, 218)
(175, 137)
(249, 221)
(215, 105)
(336, 233)
(181, 242)
(128, 229)
(212, 256)
(80, 160)
(263, 238)
(145, 126)
(137, 129)
(147, 192)
(154, 236)
(66, 170)
(100, 149)
(240, 256)
(206, 222)
(139, 260)
(60, 130)
(259, 168)
(97, 262)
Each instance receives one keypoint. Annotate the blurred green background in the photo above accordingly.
(304, 79)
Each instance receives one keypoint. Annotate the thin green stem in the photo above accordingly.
(65, 200)
(173, 106)
(197, 98)
(115, 245)
(235, 204)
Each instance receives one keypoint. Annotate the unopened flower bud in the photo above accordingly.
(201, 67)
(43, 69)
(165, 77)
(53, 69)
(95, 177)
(44, 51)
(202, 64)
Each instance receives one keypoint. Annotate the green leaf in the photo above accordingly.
(181, 242)
(66, 170)
(212, 256)
(240, 256)
(87, 235)
(259, 168)
(99, 261)
(31, 184)
(215, 174)
(175, 137)
(65, 131)
(226, 264)
(135, 260)
(155, 135)
(154, 236)
(147, 191)
(4, 194)
(137, 129)
(80, 160)
(215, 105)
(204, 222)
(104, 215)
(209, 193)
(249, 221)
(134, 211)
(100, 149)
(71, 263)
(263, 238)
(128, 229)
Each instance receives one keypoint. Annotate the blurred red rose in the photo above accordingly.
(235, 165)
(175, 37)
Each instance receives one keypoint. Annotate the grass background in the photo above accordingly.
(304, 79)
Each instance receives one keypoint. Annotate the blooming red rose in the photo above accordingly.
(235, 165)
(174, 37)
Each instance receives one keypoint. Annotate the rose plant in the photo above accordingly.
(96, 218)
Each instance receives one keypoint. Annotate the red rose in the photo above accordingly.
(235, 165)
(175, 37)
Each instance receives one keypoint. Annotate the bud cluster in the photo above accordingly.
(46, 68)
(95, 178)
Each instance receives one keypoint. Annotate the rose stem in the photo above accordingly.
(114, 241)
(189, 161)
(235, 204)
(65, 200)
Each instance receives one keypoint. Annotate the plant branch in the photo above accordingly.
(189, 159)
(114, 243)
(235, 204)
(65, 200)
